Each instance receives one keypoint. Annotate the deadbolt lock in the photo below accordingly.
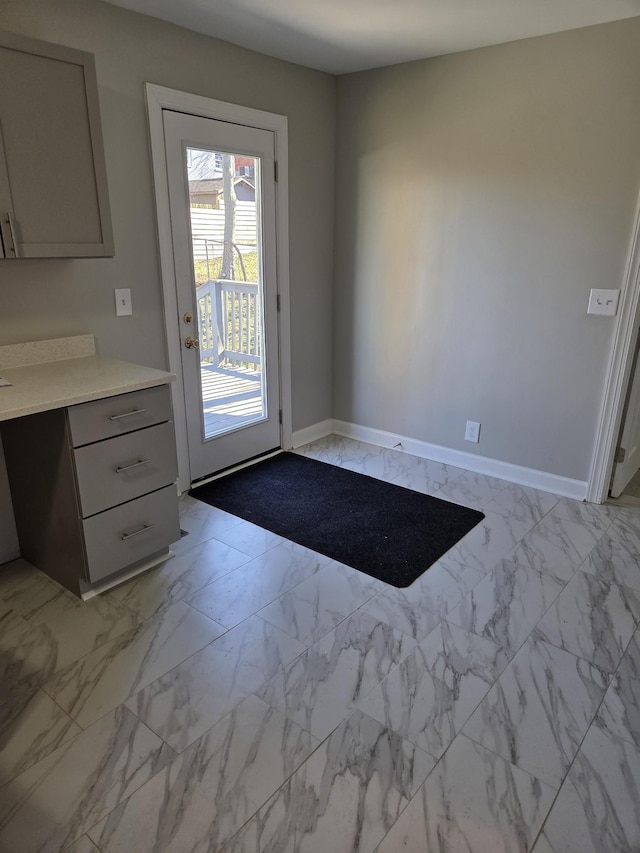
(188, 318)
(191, 343)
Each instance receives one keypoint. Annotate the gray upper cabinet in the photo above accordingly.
(53, 182)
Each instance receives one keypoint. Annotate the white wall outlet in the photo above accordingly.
(472, 432)
(123, 302)
(603, 302)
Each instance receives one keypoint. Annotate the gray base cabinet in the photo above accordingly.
(93, 486)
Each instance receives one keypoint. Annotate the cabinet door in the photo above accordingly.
(53, 186)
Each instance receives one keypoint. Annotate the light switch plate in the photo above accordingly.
(603, 302)
(123, 302)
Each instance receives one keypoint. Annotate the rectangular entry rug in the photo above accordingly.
(389, 532)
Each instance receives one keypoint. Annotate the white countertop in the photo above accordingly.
(64, 381)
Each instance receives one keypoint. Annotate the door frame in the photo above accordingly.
(159, 98)
(618, 374)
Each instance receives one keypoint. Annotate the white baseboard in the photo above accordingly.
(543, 480)
(312, 433)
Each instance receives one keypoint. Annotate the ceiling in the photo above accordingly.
(340, 36)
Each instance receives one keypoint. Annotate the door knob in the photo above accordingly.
(191, 343)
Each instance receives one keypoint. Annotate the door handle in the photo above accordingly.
(191, 343)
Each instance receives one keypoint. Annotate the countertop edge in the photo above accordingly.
(89, 397)
(90, 378)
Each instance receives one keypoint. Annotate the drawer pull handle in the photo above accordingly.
(121, 468)
(127, 414)
(143, 529)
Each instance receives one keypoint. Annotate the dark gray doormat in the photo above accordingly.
(389, 532)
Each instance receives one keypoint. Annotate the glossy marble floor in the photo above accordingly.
(251, 696)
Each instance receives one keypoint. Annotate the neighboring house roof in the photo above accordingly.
(214, 185)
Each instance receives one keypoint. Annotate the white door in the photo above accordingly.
(222, 204)
(630, 437)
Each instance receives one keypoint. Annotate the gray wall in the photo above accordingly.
(479, 197)
(42, 299)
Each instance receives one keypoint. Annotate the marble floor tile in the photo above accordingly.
(428, 698)
(59, 632)
(13, 573)
(404, 469)
(83, 845)
(627, 523)
(77, 627)
(488, 542)
(594, 516)
(439, 472)
(244, 591)
(343, 798)
(523, 503)
(625, 529)
(411, 620)
(592, 619)
(321, 687)
(469, 489)
(208, 792)
(29, 595)
(31, 726)
(242, 700)
(28, 654)
(102, 679)
(249, 538)
(338, 450)
(506, 605)
(55, 801)
(201, 522)
(598, 807)
(179, 577)
(555, 546)
(541, 846)
(421, 475)
(318, 604)
(539, 710)
(473, 802)
(417, 609)
(613, 560)
(183, 704)
(360, 457)
(619, 714)
(394, 465)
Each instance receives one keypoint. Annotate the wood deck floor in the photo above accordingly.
(232, 398)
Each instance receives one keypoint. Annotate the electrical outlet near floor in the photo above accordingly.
(472, 432)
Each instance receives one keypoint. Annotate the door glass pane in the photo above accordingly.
(224, 201)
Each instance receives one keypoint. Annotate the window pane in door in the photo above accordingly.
(224, 201)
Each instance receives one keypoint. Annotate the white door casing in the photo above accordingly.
(158, 99)
(630, 438)
(618, 374)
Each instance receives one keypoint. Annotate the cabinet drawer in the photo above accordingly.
(118, 415)
(131, 533)
(121, 469)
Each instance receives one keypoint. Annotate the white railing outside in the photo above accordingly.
(229, 323)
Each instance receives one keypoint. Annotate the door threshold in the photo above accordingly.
(233, 468)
